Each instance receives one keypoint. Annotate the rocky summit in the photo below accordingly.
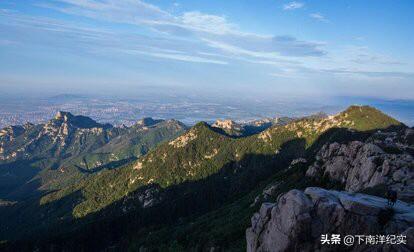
(299, 219)
(385, 160)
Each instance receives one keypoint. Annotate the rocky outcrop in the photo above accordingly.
(12, 131)
(184, 139)
(385, 159)
(147, 122)
(229, 127)
(226, 124)
(297, 221)
(297, 161)
(71, 121)
(270, 192)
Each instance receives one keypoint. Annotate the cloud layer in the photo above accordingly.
(152, 33)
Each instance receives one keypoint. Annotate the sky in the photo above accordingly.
(263, 48)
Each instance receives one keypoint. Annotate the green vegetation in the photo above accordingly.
(206, 180)
(68, 148)
(201, 152)
(223, 228)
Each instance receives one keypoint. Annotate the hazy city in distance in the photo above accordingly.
(184, 107)
(188, 109)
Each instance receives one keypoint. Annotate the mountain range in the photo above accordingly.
(73, 183)
(63, 150)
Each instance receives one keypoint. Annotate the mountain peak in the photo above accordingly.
(367, 118)
(226, 124)
(147, 121)
(360, 108)
(77, 121)
(201, 125)
(62, 115)
(363, 109)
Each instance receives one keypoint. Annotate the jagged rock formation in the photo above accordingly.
(67, 136)
(148, 197)
(66, 118)
(226, 124)
(385, 159)
(53, 138)
(297, 161)
(230, 127)
(269, 121)
(299, 218)
(248, 128)
(147, 121)
(257, 126)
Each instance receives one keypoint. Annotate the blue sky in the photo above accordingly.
(266, 48)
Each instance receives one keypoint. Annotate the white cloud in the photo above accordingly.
(266, 46)
(293, 5)
(369, 74)
(364, 56)
(207, 23)
(318, 17)
(348, 73)
(238, 51)
(178, 56)
(197, 37)
(192, 25)
(86, 40)
(126, 11)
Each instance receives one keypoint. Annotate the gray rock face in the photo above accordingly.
(146, 197)
(297, 161)
(150, 197)
(360, 165)
(299, 218)
(268, 193)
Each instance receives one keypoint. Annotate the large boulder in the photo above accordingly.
(299, 219)
(383, 160)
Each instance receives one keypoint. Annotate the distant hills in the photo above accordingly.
(65, 148)
(147, 185)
